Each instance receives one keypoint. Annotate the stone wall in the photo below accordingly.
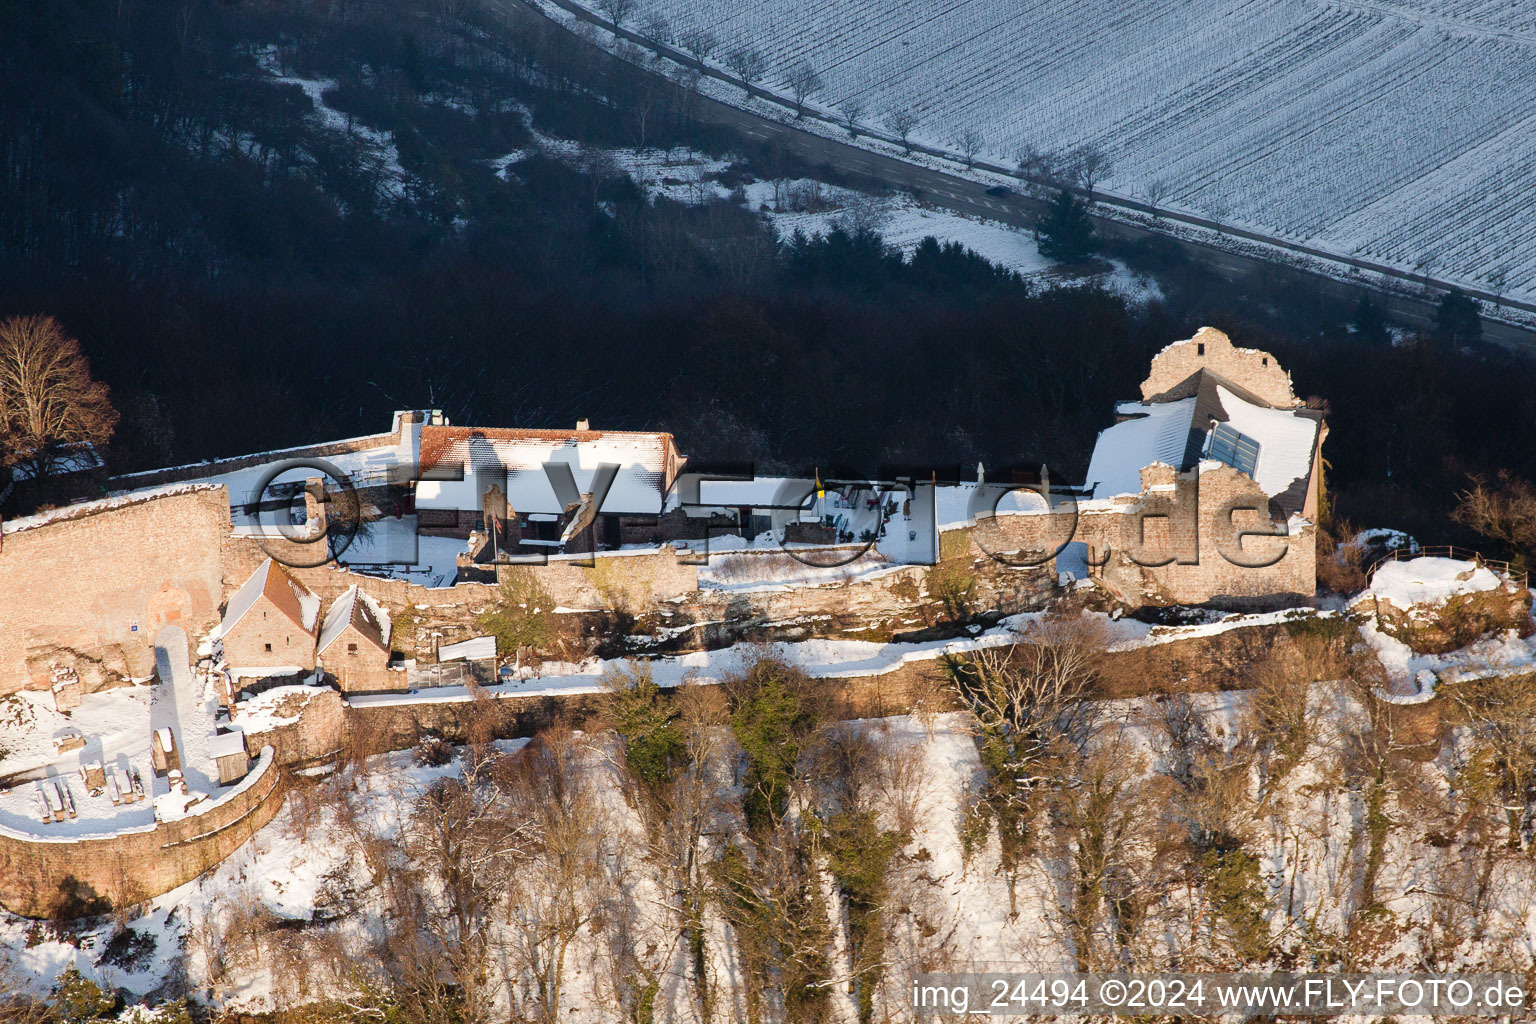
(1203, 662)
(304, 725)
(1178, 543)
(638, 579)
(203, 470)
(91, 587)
(1210, 349)
(134, 865)
(310, 725)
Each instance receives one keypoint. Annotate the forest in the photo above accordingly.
(244, 275)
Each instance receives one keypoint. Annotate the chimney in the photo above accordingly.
(583, 424)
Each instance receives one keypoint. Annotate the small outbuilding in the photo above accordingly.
(229, 757)
(270, 622)
(354, 645)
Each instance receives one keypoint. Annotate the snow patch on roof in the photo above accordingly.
(1125, 449)
(337, 618)
(476, 649)
(1286, 440)
(380, 613)
(241, 600)
(226, 743)
(309, 605)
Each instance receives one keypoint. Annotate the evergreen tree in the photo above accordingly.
(1371, 323)
(1065, 233)
(78, 1000)
(1458, 321)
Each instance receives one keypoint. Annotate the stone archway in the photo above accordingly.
(167, 605)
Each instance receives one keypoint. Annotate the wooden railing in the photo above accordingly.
(1504, 569)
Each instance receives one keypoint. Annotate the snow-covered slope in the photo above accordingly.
(1399, 132)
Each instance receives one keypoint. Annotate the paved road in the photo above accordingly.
(962, 195)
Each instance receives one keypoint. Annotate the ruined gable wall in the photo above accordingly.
(1250, 368)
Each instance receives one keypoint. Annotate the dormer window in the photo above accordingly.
(1226, 445)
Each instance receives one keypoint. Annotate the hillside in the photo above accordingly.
(1401, 133)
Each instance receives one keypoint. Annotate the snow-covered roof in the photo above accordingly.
(225, 744)
(357, 609)
(459, 463)
(272, 581)
(1176, 433)
(1429, 580)
(477, 649)
(1156, 433)
(1286, 440)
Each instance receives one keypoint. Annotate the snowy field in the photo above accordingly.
(1402, 133)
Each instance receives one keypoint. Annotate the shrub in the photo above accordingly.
(523, 614)
(653, 744)
(78, 1000)
(128, 949)
(771, 718)
(1238, 895)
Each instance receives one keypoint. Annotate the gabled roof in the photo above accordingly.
(543, 472)
(353, 609)
(1174, 430)
(517, 448)
(287, 594)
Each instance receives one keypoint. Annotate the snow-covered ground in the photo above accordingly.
(375, 144)
(1401, 134)
(1429, 581)
(117, 726)
(812, 207)
(954, 905)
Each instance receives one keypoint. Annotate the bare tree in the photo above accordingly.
(468, 845)
(618, 11)
(657, 29)
(852, 109)
(1501, 713)
(1090, 165)
(1498, 281)
(748, 64)
(1036, 691)
(1106, 831)
(1503, 510)
(1033, 716)
(49, 403)
(1157, 191)
(1038, 165)
(699, 43)
(804, 83)
(902, 120)
(969, 142)
(558, 891)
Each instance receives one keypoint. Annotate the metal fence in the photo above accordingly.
(1516, 576)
